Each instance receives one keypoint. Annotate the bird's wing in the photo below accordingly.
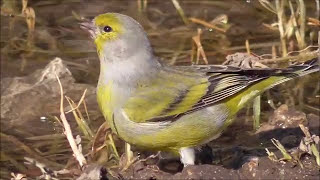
(176, 91)
(181, 90)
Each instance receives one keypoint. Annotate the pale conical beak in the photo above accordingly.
(89, 26)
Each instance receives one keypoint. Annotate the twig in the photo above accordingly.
(318, 45)
(266, 4)
(114, 148)
(197, 40)
(76, 151)
(301, 57)
(281, 20)
(80, 120)
(86, 110)
(318, 9)
(47, 173)
(302, 50)
(256, 112)
(142, 5)
(302, 23)
(295, 25)
(313, 21)
(102, 130)
(271, 155)
(305, 131)
(206, 24)
(248, 46)
(286, 155)
(180, 11)
(310, 143)
(79, 103)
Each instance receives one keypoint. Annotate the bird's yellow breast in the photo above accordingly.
(105, 98)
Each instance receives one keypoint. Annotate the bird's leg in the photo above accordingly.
(129, 153)
(129, 157)
(187, 156)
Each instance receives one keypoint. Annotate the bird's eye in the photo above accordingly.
(107, 29)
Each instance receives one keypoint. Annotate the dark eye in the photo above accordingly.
(107, 29)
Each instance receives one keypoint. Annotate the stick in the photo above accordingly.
(76, 151)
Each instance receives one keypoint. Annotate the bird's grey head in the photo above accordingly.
(118, 37)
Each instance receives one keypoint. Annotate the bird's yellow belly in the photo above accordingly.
(188, 131)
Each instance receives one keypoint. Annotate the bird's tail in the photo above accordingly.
(276, 76)
(297, 70)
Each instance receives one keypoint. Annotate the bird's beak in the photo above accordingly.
(89, 26)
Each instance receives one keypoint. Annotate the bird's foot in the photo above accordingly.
(128, 159)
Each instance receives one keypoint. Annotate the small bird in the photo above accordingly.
(170, 108)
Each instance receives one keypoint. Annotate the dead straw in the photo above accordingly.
(76, 150)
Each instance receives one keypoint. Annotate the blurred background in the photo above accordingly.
(56, 32)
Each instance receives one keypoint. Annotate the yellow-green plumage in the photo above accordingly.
(105, 100)
(170, 108)
(172, 87)
(154, 98)
(238, 101)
